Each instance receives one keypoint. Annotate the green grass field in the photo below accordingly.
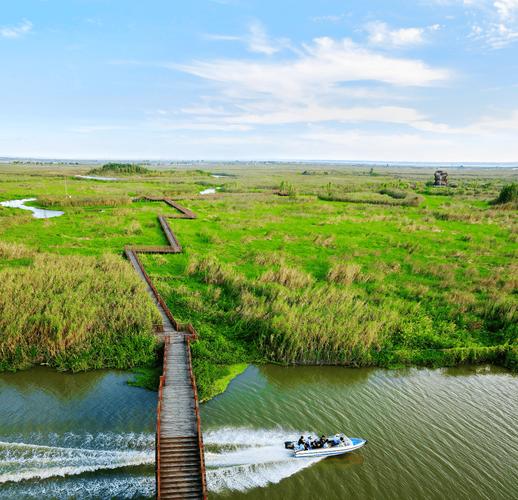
(342, 270)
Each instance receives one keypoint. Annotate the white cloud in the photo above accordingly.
(311, 86)
(506, 9)
(506, 31)
(314, 113)
(256, 40)
(325, 63)
(224, 38)
(496, 21)
(507, 125)
(380, 33)
(16, 31)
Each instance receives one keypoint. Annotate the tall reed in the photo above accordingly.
(75, 313)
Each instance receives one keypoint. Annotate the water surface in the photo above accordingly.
(77, 436)
(433, 434)
(98, 178)
(38, 213)
(209, 191)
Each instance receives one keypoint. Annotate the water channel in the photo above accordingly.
(433, 434)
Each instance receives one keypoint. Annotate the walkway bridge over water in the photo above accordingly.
(180, 464)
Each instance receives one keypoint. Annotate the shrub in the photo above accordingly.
(508, 194)
(286, 189)
(394, 193)
(134, 228)
(120, 168)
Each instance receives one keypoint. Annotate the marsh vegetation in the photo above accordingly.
(348, 268)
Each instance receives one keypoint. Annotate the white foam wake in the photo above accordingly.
(237, 459)
(100, 440)
(242, 459)
(24, 461)
(82, 488)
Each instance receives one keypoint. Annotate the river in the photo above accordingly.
(433, 434)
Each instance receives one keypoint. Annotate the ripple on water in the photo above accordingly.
(82, 436)
(433, 434)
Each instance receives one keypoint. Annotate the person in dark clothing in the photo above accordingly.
(323, 441)
(301, 441)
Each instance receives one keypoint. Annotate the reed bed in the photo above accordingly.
(82, 201)
(9, 251)
(294, 319)
(373, 198)
(75, 313)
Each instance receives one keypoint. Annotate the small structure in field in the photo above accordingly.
(440, 178)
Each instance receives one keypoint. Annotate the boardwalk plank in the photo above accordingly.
(181, 471)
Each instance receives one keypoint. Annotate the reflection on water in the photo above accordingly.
(87, 435)
(293, 376)
(45, 381)
(433, 434)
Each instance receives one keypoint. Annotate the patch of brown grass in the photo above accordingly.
(346, 273)
(289, 277)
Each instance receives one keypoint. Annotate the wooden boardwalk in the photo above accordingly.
(180, 462)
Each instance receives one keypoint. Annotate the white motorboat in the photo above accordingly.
(333, 445)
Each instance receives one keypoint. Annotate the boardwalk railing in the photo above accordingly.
(197, 410)
(170, 446)
(158, 416)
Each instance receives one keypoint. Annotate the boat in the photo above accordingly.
(345, 445)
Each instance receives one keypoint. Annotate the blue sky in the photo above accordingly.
(427, 80)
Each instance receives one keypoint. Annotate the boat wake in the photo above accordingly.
(21, 461)
(108, 465)
(242, 459)
(38, 466)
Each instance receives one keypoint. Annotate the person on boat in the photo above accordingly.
(323, 441)
(336, 440)
(308, 443)
(301, 441)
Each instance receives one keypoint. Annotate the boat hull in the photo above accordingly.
(357, 443)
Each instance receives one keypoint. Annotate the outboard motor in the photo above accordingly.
(289, 445)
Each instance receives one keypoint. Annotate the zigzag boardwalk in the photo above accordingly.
(180, 465)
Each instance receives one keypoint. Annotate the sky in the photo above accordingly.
(421, 80)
